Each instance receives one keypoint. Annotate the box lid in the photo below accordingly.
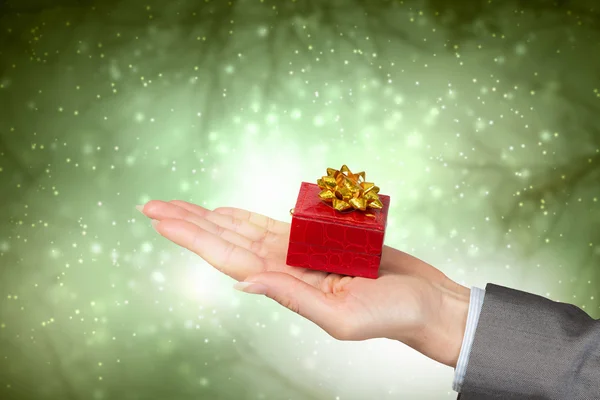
(309, 205)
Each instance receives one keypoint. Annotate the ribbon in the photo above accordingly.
(343, 189)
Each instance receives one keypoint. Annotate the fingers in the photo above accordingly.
(256, 219)
(193, 208)
(224, 255)
(242, 226)
(263, 221)
(240, 233)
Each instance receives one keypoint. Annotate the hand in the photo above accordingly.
(410, 301)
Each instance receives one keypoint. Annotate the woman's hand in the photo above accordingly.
(410, 301)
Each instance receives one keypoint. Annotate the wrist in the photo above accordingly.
(441, 334)
(452, 324)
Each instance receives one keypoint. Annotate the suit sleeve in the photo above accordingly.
(530, 347)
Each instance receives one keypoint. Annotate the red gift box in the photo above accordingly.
(324, 239)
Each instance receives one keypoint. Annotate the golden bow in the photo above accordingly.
(346, 190)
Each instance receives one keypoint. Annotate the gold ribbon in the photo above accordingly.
(344, 190)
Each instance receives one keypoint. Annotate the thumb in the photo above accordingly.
(293, 293)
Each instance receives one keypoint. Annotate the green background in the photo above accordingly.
(478, 118)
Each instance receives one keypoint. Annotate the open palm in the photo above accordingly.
(252, 247)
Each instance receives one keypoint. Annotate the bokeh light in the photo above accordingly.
(478, 118)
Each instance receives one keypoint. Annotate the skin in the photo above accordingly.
(411, 301)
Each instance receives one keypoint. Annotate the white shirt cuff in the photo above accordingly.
(475, 304)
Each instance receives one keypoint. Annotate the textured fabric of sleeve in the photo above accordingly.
(530, 347)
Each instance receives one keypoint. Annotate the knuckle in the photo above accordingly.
(259, 249)
(288, 303)
(227, 256)
(219, 230)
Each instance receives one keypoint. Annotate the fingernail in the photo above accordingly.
(140, 208)
(251, 287)
(155, 222)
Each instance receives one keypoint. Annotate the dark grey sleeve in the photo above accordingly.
(529, 347)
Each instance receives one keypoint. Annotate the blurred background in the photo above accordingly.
(478, 118)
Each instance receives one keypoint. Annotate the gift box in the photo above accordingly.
(332, 230)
